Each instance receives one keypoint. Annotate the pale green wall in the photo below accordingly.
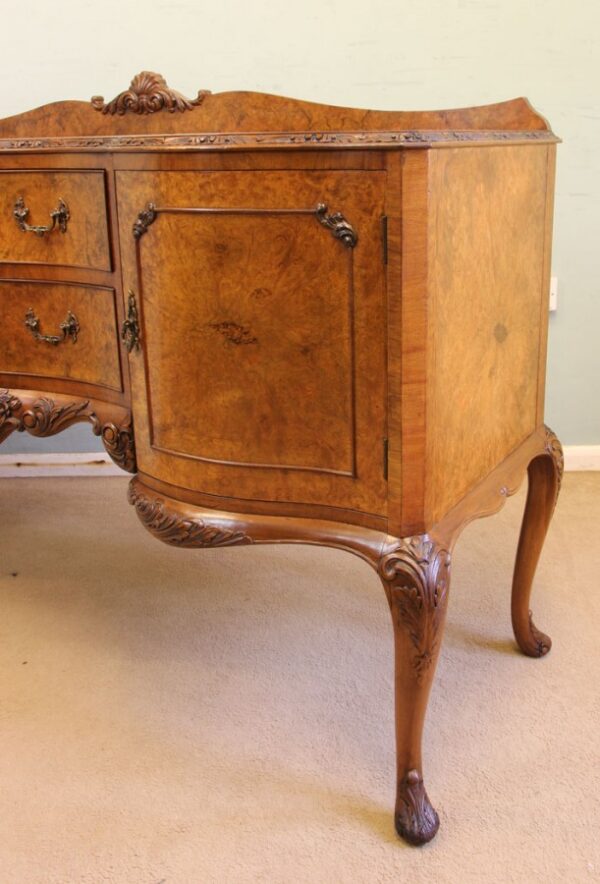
(385, 54)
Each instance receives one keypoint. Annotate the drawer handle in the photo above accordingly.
(69, 328)
(60, 215)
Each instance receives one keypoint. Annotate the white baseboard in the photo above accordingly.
(577, 458)
(582, 457)
(91, 463)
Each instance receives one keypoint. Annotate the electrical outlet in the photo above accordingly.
(553, 293)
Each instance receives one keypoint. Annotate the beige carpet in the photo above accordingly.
(226, 716)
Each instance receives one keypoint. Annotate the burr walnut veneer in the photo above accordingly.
(320, 325)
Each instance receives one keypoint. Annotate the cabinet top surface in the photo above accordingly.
(149, 115)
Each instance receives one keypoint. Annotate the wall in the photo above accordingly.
(389, 54)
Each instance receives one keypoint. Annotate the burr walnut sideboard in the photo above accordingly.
(294, 323)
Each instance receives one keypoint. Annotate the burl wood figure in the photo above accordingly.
(321, 325)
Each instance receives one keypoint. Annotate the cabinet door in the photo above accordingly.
(261, 373)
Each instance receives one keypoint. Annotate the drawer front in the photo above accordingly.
(32, 341)
(78, 232)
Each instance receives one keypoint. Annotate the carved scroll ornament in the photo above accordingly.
(118, 442)
(45, 417)
(147, 94)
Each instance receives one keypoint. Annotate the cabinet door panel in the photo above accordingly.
(262, 328)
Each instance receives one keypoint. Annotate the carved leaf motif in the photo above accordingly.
(417, 575)
(147, 94)
(9, 405)
(416, 819)
(554, 449)
(262, 139)
(9, 420)
(175, 530)
(45, 417)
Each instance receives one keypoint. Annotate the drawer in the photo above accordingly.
(78, 237)
(86, 349)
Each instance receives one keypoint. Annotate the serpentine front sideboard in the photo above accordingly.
(294, 323)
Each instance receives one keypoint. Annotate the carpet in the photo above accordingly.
(181, 717)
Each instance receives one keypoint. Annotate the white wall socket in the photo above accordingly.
(553, 293)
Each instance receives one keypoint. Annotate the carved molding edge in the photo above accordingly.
(148, 93)
(44, 417)
(177, 530)
(553, 447)
(415, 818)
(417, 575)
(273, 139)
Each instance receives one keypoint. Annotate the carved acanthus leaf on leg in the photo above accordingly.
(415, 818)
(416, 573)
(553, 447)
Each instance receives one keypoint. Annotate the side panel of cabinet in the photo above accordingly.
(488, 266)
(262, 369)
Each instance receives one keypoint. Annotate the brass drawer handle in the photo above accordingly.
(60, 215)
(69, 328)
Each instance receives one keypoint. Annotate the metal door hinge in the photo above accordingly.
(385, 458)
(384, 237)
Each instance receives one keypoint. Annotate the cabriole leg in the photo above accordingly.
(545, 475)
(415, 575)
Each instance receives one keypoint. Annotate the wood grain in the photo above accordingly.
(259, 112)
(279, 321)
(92, 359)
(85, 242)
(487, 233)
(281, 345)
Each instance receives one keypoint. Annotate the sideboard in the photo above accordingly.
(294, 323)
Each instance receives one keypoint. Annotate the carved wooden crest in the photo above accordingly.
(147, 94)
